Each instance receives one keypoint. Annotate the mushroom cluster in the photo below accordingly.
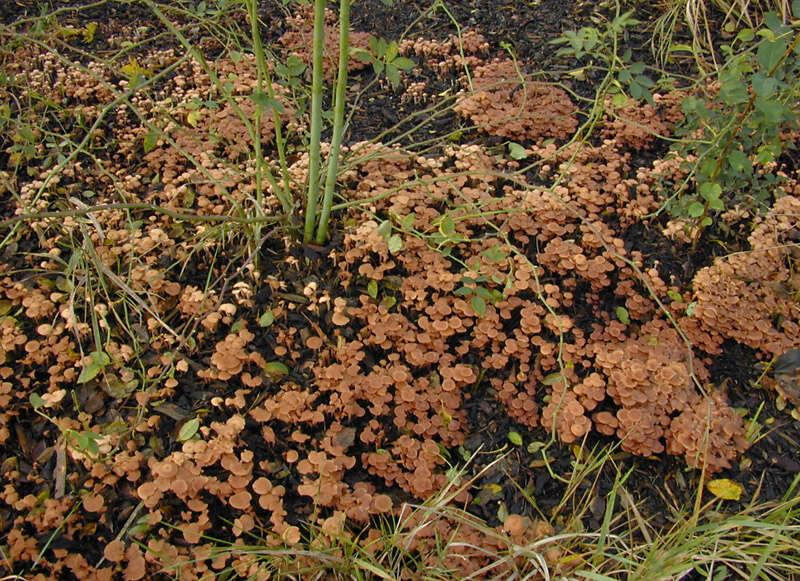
(501, 100)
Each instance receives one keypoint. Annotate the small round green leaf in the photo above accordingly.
(695, 209)
(395, 243)
(36, 400)
(266, 319)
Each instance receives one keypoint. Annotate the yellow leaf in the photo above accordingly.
(134, 69)
(725, 489)
(88, 32)
(193, 117)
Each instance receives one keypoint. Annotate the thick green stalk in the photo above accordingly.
(340, 99)
(316, 121)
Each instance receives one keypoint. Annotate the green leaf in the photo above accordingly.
(151, 140)
(404, 63)
(388, 302)
(773, 110)
(482, 292)
(637, 68)
(675, 295)
(266, 102)
(553, 379)
(516, 151)
(766, 154)
(515, 438)
(372, 288)
(395, 243)
(619, 100)
(36, 400)
(393, 74)
(769, 54)
(495, 254)
(463, 291)
(188, 198)
(193, 117)
(733, 91)
(188, 429)
(710, 190)
(763, 85)
(407, 221)
(740, 162)
(478, 305)
(695, 209)
(295, 66)
(447, 226)
(391, 52)
(266, 319)
(385, 229)
(95, 366)
(88, 32)
(275, 369)
(86, 442)
(622, 315)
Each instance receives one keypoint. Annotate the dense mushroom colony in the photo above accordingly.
(343, 403)
(502, 101)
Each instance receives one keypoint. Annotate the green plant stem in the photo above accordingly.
(264, 77)
(316, 121)
(338, 121)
